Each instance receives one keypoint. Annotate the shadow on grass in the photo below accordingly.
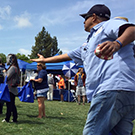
(24, 121)
(54, 117)
(47, 117)
(29, 122)
(32, 116)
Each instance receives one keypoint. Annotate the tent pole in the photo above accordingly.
(68, 91)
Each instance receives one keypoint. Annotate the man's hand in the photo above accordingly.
(40, 59)
(108, 48)
(128, 36)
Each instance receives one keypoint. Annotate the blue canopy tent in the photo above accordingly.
(22, 64)
(32, 66)
(54, 68)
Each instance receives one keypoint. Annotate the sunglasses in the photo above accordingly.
(87, 16)
(39, 65)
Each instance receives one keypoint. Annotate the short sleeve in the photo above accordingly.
(75, 55)
(41, 74)
(112, 28)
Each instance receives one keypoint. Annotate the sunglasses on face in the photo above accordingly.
(87, 16)
(38, 65)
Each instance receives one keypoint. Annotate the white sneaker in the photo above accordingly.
(3, 120)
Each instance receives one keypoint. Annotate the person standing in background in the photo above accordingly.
(50, 83)
(61, 86)
(79, 81)
(41, 86)
(12, 78)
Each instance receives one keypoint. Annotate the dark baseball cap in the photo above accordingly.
(100, 10)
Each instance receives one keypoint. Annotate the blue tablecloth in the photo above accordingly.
(67, 95)
(56, 96)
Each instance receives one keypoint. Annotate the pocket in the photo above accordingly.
(84, 51)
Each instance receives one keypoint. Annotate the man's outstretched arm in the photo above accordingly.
(54, 59)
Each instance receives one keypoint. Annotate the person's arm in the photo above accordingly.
(39, 80)
(54, 59)
(128, 36)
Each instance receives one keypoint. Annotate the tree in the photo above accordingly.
(3, 57)
(45, 45)
(23, 57)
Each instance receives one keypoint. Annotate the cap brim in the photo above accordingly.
(83, 15)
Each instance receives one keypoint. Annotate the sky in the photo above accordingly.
(22, 20)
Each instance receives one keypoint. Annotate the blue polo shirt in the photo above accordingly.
(103, 75)
(44, 84)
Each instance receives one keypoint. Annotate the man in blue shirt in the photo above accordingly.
(110, 84)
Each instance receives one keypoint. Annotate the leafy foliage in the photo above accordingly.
(23, 57)
(45, 45)
(3, 57)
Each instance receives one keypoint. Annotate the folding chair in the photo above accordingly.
(74, 96)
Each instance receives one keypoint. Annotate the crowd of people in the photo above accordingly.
(62, 83)
(44, 85)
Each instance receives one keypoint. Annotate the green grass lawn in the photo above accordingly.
(64, 118)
